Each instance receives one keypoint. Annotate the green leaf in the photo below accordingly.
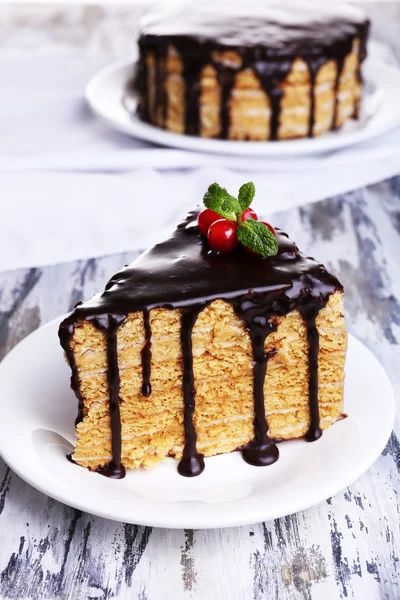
(220, 201)
(246, 195)
(257, 237)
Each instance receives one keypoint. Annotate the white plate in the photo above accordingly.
(37, 411)
(106, 91)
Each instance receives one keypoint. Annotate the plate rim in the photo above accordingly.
(138, 129)
(325, 491)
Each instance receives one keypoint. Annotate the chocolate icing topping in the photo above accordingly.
(268, 37)
(66, 333)
(192, 463)
(184, 273)
(277, 26)
(146, 356)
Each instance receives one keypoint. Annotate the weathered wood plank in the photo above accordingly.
(347, 547)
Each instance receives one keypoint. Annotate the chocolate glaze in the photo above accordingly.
(67, 333)
(109, 324)
(267, 36)
(309, 314)
(339, 65)
(69, 457)
(183, 273)
(146, 356)
(192, 463)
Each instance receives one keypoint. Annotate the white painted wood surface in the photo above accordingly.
(347, 547)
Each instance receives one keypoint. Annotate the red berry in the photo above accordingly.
(249, 213)
(206, 218)
(272, 230)
(222, 235)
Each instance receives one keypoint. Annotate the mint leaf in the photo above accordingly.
(220, 201)
(257, 237)
(246, 195)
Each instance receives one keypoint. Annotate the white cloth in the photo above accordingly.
(72, 188)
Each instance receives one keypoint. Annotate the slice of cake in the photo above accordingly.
(251, 70)
(205, 345)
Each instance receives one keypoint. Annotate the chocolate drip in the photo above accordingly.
(70, 459)
(271, 84)
(314, 67)
(339, 70)
(309, 315)
(275, 95)
(146, 356)
(262, 451)
(65, 334)
(109, 324)
(191, 74)
(157, 87)
(266, 43)
(160, 103)
(226, 80)
(311, 118)
(183, 273)
(192, 463)
(140, 83)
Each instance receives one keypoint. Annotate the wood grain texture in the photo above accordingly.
(346, 547)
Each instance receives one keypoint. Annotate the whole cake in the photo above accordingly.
(207, 344)
(266, 70)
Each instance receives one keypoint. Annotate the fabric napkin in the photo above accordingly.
(72, 188)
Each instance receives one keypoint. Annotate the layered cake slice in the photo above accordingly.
(207, 344)
(251, 70)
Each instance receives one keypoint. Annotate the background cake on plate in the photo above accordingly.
(251, 70)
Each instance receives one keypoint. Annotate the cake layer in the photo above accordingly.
(152, 428)
(254, 71)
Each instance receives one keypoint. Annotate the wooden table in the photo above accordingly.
(347, 547)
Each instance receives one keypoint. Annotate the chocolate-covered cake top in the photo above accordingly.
(183, 271)
(270, 23)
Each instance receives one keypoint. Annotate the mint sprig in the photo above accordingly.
(255, 235)
(218, 200)
(246, 195)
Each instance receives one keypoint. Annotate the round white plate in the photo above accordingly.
(37, 412)
(106, 95)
